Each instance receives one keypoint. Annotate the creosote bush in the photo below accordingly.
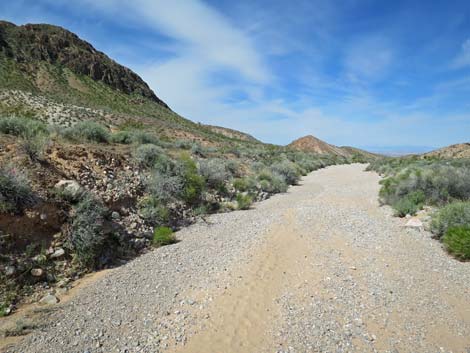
(457, 242)
(163, 236)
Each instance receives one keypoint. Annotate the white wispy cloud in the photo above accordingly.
(463, 58)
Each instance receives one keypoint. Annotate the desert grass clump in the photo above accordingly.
(87, 131)
(244, 201)
(86, 237)
(457, 242)
(456, 214)
(15, 190)
(163, 236)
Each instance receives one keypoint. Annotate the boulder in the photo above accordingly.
(37, 272)
(57, 253)
(414, 223)
(10, 270)
(49, 299)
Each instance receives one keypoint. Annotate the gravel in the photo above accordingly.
(372, 285)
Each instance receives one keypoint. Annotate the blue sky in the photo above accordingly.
(373, 74)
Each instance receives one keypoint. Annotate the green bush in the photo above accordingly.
(457, 242)
(86, 237)
(148, 155)
(123, 137)
(409, 204)
(456, 214)
(163, 236)
(245, 184)
(244, 201)
(15, 190)
(22, 127)
(193, 183)
(88, 131)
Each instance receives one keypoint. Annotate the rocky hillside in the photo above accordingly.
(33, 48)
(234, 134)
(460, 150)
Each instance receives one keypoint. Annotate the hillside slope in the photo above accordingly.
(313, 144)
(32, 48)
(460, 150)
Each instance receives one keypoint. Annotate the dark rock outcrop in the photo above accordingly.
(58, 46)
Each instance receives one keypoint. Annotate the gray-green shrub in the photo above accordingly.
(215, 171)
(22, 127)
(87, 131)
(15, 190)
(455, 214)
(148, 155)
(86, 237)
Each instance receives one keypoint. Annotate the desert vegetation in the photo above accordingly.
(121, 189)
(410, 183)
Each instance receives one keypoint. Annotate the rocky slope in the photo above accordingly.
(460, 150)
(33, 46)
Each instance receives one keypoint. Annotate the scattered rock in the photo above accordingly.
(414, 223)
(37, 272)
(70, 188)
(10, 270)
(49, 299)
(58, 253)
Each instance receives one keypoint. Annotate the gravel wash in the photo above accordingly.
(321, 268)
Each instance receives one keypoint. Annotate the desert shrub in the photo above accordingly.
(288, 170)
(86, 237)
(244, 201)
(142, 137)
(198, 150)
(148, 155)
(89, 131)
(34, 147)
(15, 190)
(163, 236)
(193, 183)
(123, 137)
(247, 183)
(457, 242)
(265, 185)
(215, 171)
(22, 127)
(152, 210)
(278, 184)
(183, 144)
(455, 214)
(409, 204)
(164, 186)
